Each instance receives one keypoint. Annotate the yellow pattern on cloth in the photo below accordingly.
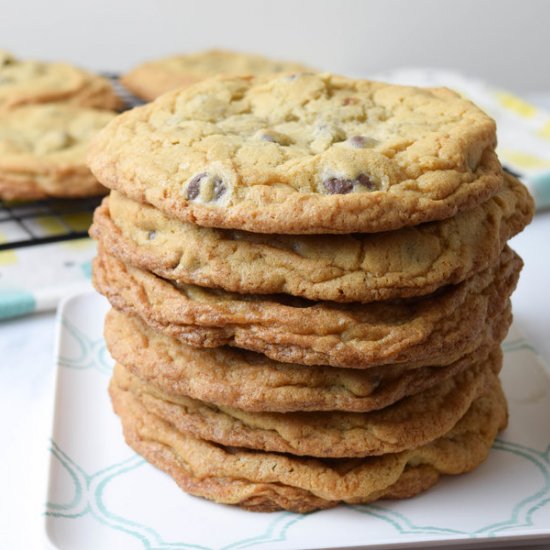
(525, 160)
(7, 257)
(523, 129)
(516, 105)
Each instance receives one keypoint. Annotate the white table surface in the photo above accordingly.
(27, 376)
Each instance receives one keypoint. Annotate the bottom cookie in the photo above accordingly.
(265, 481)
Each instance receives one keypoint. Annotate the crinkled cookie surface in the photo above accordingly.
(407, 424)
(302, 153)
(253, 382)
(343, 268)
(419, 332)
(265, 481)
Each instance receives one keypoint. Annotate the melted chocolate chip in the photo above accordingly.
(357, 141)
(360, 142)
(215, 187)
(151, 235)
(349, 101)
(342, 186)
(269, 137)
(338, 186)
(194, 186)
(365, 181)
(219, 188)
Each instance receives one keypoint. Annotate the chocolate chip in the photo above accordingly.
(211, 188)
(219, 188)
(365, 181)
(342, 186)
(338, 186)
(268, 137)
(350, 101)
(357, 141)
(151, 235)
(360, 142)
(194, 186)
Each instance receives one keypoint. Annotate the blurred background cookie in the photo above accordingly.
(153, 78)
(24, 82)
(43, 151)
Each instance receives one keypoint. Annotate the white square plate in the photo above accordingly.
(103, 496)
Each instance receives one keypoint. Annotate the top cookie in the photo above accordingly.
(154, 78)
(302, 154)
(27, 82)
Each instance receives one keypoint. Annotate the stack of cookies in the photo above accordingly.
(310, 282)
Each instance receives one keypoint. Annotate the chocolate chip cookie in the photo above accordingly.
(438, 329)
(43, 151)
(343, 268)
(265, 481)
(407, 424)
(252, 382)
(24, 82)
(302, 154)
(154, 78)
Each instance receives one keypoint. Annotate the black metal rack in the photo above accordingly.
(52, 220)
(45, 221)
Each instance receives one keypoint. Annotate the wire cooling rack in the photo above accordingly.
(128, 99)
(46, 221)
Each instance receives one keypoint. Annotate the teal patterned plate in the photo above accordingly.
(102, 496)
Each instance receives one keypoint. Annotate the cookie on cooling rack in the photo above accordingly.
(24, 82)
(153, 78)
(43, 150)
